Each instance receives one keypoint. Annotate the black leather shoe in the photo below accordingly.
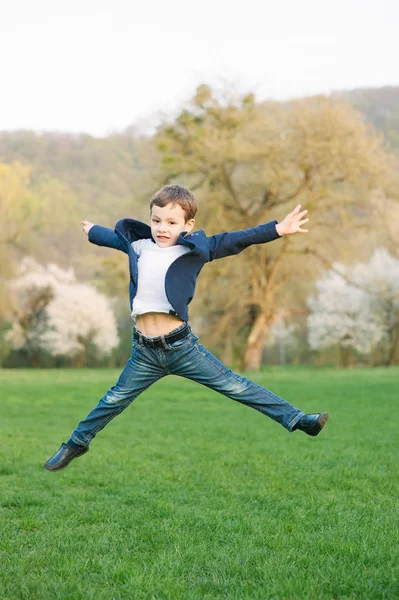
(63, 457)
(312, 424)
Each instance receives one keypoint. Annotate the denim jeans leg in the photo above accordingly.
(201, 366)
(138, 375)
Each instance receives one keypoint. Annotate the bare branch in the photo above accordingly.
(230, 189)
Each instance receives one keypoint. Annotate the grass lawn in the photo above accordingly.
(189, 495)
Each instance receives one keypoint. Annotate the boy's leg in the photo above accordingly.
(135, 378)
(201, 366)
(139, 373)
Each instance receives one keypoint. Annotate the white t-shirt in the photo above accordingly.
(153, 263)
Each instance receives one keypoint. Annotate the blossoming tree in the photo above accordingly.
(55, 313)
(357, 307)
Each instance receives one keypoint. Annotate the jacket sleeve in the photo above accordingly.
(234, 242)
(103, 236)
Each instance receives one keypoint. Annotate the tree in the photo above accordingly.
(282, 334)
(28, 211)
(357, 307)
(251, 163)
(52, 312)
(78, 315)
(380, 278)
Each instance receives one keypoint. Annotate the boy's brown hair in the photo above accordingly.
(178, 194)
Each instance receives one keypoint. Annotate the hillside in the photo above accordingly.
(380, 107)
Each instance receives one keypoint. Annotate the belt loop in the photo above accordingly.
(164, 344)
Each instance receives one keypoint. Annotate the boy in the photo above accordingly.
(165, 260)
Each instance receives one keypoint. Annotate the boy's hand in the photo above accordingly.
(292, 222)
(87, 226)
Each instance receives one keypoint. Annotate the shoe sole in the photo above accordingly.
(49, 468)
(322, 420)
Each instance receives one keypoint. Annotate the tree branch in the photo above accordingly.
(231, 190)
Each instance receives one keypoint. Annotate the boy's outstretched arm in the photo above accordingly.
(229, 243)
(102, 236)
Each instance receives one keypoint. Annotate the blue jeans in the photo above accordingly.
(186, 358)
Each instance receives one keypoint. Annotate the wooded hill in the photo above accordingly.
(380, 107)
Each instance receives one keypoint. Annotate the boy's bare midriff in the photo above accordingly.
(153, 324)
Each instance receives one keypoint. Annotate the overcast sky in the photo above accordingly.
(94, 66)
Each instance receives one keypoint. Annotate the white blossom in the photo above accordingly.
(79, 313)
(53, 312)
(281, 332)
(358, 314)
(380, 276)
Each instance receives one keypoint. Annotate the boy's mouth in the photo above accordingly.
(162, 237)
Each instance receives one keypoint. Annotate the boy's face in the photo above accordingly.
(167, 222)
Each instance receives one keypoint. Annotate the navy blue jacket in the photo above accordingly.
(182, 274)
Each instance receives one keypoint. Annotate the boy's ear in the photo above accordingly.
(190, 225)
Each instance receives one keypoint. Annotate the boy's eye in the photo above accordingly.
(171, 222)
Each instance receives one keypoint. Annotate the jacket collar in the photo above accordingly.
(133, 230)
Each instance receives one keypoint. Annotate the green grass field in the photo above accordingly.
(188, 494)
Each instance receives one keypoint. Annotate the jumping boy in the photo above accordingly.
(165, 260)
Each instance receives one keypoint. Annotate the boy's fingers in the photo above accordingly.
(296, 209)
